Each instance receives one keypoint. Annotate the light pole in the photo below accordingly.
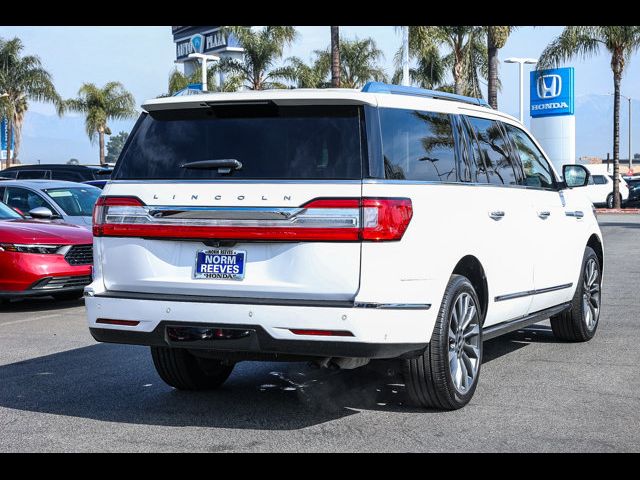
(521, 62)
(405, 56)
(204, 59)
(630, 157)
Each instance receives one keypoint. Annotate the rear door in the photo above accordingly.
(257, 219)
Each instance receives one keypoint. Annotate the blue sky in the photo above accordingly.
(142, 57)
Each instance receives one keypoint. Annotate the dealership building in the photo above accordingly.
(208, 40)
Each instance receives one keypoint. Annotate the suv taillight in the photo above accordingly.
(327, 219)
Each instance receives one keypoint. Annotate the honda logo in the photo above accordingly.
(549, 86)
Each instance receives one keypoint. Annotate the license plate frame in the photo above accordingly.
(219, 264)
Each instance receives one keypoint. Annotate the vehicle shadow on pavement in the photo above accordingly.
(511, 342)
(117, 383)
(39, 304)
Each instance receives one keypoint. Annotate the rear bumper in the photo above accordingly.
(377, 333)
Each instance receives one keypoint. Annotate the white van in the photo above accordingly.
(338, 226)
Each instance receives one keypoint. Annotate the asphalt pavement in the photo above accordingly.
(60, 391)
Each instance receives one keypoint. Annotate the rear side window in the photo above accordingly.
(68, 176)
(537, 171)
(599, 179)
(418, 145)
(494, 150)
(271, 142)
(33, 174)
(8, 174)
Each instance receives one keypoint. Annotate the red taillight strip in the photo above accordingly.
(325, 219)
(127, 323)
(321, 333)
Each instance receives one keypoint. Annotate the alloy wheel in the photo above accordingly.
(464, 342)
(591, 294)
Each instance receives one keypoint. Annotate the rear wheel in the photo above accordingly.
(610, 200)
(446, 374)
(184, 371)
(579, 324)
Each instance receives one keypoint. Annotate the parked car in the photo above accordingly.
(54, 171)
(633, 183)
(600, 187)
(388, 223)
(97, 183)
(68, 202)
(40, 258)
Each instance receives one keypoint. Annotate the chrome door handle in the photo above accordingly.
(497, 214)
(576, 214)
(544, 215)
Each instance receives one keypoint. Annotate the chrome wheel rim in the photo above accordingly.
(591, 294)
(464, 342)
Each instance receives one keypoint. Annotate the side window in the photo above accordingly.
(33, 174)
(474, 151)
(418, 145)
(494, 150)
(24, 200)
(599, 179)
(536, 168)
(68, 176)
(8, 174)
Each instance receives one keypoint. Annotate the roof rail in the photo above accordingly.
(379, 87)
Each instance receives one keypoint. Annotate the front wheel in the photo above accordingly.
(184, 371)
(579, 323)
(446, 374)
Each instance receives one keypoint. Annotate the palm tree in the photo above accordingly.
(358, 62)
(22, 79)
(497, 37)
(428, 73)
(585, 41)
(179, 81)
(466, 57)
(111, 102)
(306, 76)
(335, 57)
(262, 48)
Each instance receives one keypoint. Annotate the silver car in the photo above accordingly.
(51, 199)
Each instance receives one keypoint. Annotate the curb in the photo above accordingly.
(625, 211)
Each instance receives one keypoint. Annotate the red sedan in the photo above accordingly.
(40, 258)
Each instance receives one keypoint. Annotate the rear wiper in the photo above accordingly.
(224, 165)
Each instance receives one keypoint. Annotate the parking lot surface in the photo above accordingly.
(62, 391)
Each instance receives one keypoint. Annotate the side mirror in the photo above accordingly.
(41, 212)
(575, 175)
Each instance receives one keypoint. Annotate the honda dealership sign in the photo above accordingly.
(552, 92)
(552, 114)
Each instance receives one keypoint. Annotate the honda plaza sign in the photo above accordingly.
(552, 92)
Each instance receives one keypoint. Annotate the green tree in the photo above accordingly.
(429, 71)
(466, 55)
(497, 37)
(359, 62)
(115, 145)
(111, 102)
(179, 81)
(306, 76)
(335, 57)
(585, 41)
(262, 49)
(22, 78)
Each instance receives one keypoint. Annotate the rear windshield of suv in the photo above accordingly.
(271, 142)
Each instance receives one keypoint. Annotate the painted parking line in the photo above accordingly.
(34, 319)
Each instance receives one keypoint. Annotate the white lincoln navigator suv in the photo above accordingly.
(338, 226)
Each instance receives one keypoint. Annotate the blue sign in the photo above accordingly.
(552, 92)
(3, 139)
(197, 41)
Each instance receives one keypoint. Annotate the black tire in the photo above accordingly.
(184, 371)
(65, 296)
(610, 200)
(428, 378)
(572, 325)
